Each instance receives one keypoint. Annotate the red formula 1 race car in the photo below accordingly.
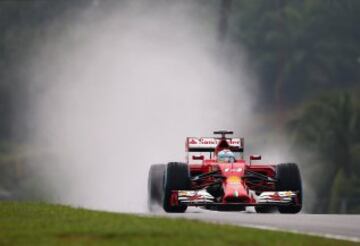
(216, 177)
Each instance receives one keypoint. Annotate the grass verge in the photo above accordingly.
(46, 224)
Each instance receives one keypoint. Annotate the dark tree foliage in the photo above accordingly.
(21, 23)
(300, 47)
(330, 126)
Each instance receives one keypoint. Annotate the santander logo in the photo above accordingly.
(193, 141)
(234, 141)
(212, 141)
(209, 141)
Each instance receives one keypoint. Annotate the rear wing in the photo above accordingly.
(207, 145)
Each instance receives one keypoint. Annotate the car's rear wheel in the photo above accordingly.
(155, 186)
(176, 178)
(289, 179)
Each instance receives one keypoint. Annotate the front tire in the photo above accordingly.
(176, 178)
(289, 179)
(265, 209)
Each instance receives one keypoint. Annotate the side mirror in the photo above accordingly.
(198, 157)
(255, 157)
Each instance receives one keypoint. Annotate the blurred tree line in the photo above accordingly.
(330, 127)
(299, 48)
(306, 54)
(22, 22)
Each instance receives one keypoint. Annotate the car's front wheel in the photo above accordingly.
(289, 179)
(176, 178)
(265, 209)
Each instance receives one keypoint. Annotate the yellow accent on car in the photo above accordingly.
(233, 180)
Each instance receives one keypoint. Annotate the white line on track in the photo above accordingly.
(326, 235)
(341, 227)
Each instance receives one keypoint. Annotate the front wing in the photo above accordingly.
(201, 198)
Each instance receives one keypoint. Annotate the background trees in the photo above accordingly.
(300, 47)
(303, 52)
(329, 126)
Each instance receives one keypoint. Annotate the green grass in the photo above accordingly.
(45, 224)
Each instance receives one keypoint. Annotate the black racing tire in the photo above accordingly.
(264, 209)
(176, 178)
(289, 179)
(155, 186)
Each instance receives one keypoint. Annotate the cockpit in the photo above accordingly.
(226, 156)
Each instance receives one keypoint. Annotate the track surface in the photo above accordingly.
(333, 226)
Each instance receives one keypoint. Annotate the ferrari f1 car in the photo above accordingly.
(217, 177)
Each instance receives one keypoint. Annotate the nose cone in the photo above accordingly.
(235, 191)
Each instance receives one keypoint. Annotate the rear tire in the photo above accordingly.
(155, 186)
(289, 179)
(176, 178)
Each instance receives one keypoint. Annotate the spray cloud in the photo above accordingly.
(117, 89)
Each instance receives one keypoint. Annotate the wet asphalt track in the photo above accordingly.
(345, 227)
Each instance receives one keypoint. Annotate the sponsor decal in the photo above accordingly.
(276, 196)
(211, 142)
(239, 169)
(191, 196)
(233, 180)
(192, 141)
(288, 193)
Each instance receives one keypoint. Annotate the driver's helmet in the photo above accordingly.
(226, 155)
